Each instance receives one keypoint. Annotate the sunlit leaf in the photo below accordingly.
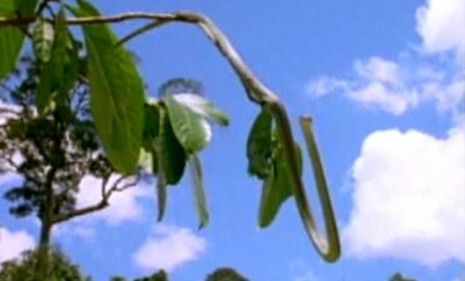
(203, 107)
(117, 93)
(190, 128)
(259, 145)
(199, 190)
(60, 73)
(42, 38)
(11, 39)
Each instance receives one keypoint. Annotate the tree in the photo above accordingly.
(225, 274)
(399, 277)
(131, 123)
(52, 152)
(23, 269)
(157, 276)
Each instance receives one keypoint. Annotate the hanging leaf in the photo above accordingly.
(203, 107)
(190, 128)
(161, 185)
(172, 154)
(60, 73)
(199, 190)
(11, 37)
(42, 39)
(259, 145)
(159, 132)
(117, 93)
(276, 187)
(151, 125)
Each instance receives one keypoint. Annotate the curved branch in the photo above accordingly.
(257, 92)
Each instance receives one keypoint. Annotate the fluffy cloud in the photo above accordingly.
(124, 205)
(169, 247)
(409, 197)
(12, 244)
(441, 25)
(395, 86)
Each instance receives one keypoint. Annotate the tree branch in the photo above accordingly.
(103, 203)
(255, 89)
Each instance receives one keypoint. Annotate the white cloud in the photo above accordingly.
(307, 276)
(409, 197)
(124, 206)
(325, 85)
(168, 248)
(396, 86)
(12, 244)
(441, 24)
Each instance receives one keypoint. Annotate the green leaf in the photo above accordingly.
(159, 132)
(172, 154)
(199, 190)
(151, 125)
(117, 93)
(161, 186)
(60, 73)
(259, 145)
(203, 107)
(42, 38)
(190, 128)
(25, 8)
(277, 186)
(11, 39)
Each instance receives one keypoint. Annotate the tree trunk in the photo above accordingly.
(43, 250)
(46, 219)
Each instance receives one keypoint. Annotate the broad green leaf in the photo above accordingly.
(60, 73)
(11, 39)
(277, 187)
(190, 128)
(117, 93)
(42, 37)
(259, 145)
(199, 190)
(25, 8)
(203, 107)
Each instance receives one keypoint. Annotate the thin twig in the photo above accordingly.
(255, 89)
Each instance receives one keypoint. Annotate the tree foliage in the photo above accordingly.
(399, 277)
(23, 269)
(225, 274)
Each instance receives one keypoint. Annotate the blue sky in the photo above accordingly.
(385, 83)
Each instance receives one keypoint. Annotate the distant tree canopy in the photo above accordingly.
(225, 274)
(398, 277)
(157, 276)
(24, 268)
